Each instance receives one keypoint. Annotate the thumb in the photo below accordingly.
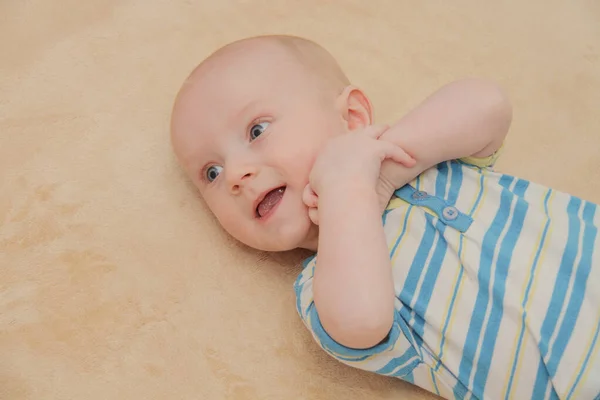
(309, 198)
(397, 154)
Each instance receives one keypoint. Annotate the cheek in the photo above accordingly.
(299, 156)
(232, 222)
(226, 214)
(297, 164)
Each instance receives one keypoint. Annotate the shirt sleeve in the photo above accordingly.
(394, 356)
(483, 162)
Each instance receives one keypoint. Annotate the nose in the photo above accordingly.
(239, 175)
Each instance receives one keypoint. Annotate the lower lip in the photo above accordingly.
(272, 210)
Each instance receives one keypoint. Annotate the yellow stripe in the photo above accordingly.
(484, 162)
(580, 365)
(394, 203)
(460, 257)
(531, 294)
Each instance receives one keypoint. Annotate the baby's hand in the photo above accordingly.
(392, 176)
(349, 161)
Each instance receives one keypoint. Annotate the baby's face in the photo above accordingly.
(247, 128)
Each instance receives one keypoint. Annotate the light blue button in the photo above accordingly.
(420, 195)
(450, 213)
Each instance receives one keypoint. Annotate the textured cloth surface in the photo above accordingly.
(115, 281)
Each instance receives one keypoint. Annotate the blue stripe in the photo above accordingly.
(490, 241)
(585, 362)
(431, 276)
(437, 259)
(409, 356)
(503, 263)
(559, 293)
(443, 342)
(404, 224)
(456, 182)
(298, 287)
(298, 290)
(434, 380)
(412, 279)
(526, 298)
(344, 353)
(505, 181)
(577, 294)
(405, 314)
(459, 280)
(384, 216)
(416, 268)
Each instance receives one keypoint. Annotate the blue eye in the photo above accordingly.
(213, 172)
(257, 129)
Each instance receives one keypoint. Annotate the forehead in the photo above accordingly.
(231, 85)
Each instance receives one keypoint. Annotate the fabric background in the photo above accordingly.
(115, 281)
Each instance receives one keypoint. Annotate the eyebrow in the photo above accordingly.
(247, 109)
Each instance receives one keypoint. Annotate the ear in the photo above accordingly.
(355, 108)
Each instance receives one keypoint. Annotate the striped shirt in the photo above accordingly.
(497, 286)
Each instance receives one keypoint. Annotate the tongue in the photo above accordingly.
(269, 201)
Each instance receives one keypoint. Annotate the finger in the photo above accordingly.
(313, 214)
(309, 197)
(375, 131)
(398, 154)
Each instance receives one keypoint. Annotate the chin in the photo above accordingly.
(289, 237)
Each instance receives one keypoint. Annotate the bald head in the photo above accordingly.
(316, 62)
(313, 57)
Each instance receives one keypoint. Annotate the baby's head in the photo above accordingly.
(247, 125)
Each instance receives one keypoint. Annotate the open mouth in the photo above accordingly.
(269, 202)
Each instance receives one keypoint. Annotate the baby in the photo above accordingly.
(432, 267)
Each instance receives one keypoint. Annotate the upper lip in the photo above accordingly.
(262, 196)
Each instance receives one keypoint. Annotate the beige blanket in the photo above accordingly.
(116, 283)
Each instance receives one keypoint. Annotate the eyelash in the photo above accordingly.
(256, 121)
(203, 172)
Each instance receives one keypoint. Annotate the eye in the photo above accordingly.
(257, 129)
(213, 172)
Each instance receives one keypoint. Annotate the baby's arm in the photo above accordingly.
(353, 288)
(462, 119)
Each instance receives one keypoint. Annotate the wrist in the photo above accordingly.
(346, 197)
(354, 185)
